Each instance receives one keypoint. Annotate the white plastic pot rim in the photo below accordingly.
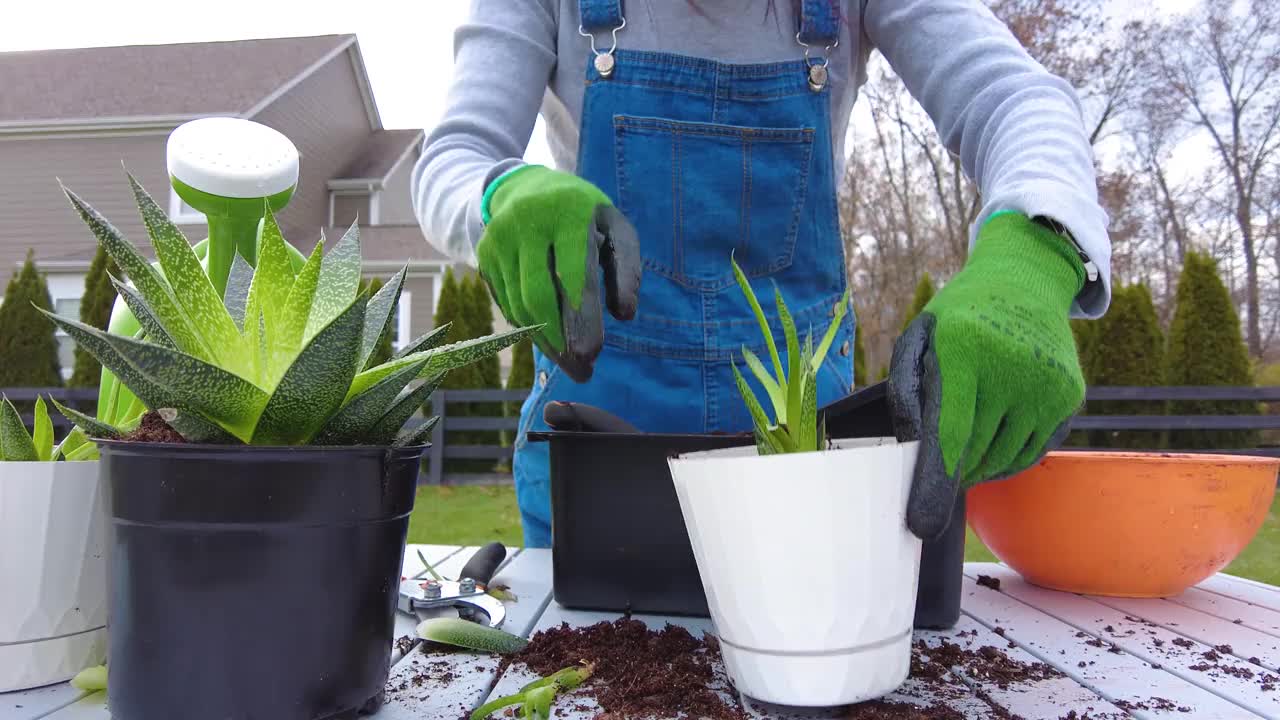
(749, 451)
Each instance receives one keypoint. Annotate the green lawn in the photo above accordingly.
(477, 515)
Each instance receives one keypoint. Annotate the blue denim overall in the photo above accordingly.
(706, 160)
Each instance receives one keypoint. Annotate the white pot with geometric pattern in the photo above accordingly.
(809, 569)
(53, 572)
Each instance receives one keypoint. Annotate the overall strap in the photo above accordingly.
(819, 21)
(599, 15)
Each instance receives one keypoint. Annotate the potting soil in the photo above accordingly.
(669, 673)
(154, 429)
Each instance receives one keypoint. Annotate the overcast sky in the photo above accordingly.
(407, 45)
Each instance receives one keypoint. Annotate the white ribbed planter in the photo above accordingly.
(53, 539)
(808, 566)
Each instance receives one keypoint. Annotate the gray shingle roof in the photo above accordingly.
(152, 80)
(379, 154)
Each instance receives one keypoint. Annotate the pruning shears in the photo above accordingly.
(468, 595)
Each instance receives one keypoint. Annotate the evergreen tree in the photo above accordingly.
(1126, 348)
(28, 348)
(479, 309)
(924, 293)
(521, 378)
(383, 351)
(452, 307)
(95, 310)
(1206, 348)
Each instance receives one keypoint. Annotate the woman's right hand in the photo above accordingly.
(547, 234)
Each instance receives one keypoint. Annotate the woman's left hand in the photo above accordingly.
(988, 377)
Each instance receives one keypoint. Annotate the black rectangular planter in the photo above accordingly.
(253, 583)
(619, 541)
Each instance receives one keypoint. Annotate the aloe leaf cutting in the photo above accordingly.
(279, 359)
(472, 636)
(15, 443)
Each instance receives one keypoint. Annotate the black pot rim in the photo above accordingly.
(135, 447)
(548, 435)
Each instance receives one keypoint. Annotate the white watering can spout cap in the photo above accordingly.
(232, 157)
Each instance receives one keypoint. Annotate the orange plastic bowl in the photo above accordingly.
(1124, 524)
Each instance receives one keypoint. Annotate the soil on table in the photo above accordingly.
(154, 429)
(989, 582)
(669, 673)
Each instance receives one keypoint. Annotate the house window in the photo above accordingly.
(348, 208)
(182, 213)
(66, 307)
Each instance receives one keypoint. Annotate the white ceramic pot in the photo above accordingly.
(53, 571)
(808, 566)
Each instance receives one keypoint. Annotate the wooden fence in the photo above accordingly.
(498, 453)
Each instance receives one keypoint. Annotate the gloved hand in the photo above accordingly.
(987, 377)
(547, 234)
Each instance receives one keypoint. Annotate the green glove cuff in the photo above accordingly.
(1014, 250)
(485, 199)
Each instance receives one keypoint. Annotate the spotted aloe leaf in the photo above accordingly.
(192, 288)
(765, 438)
(155, 332)
(89, 426)
(236, 297)
(15, 443)
(446, 358)
(273, 278)
(359, 415)
(42, 435)
(413, 437)
(378, 316)
(287, 337)
(771, 386)
(155, 396)
(433, 339)
(316, 383)
(393, 421)
(339, 282)
(146, 278)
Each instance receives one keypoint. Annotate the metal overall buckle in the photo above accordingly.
(604, 61)
(817, 72)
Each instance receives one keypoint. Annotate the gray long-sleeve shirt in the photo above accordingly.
(1017, 129)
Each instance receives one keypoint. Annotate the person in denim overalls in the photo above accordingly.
(683, 161)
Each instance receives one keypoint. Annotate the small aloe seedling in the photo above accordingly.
(793, 392)
(535, 698)
(280, 359)
(17, 445)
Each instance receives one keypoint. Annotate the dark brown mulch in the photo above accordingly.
(153, 429)
(638, 672)
(881, 710)
(989, 582)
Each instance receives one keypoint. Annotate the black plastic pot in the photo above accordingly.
(618, 537)
(253, 583)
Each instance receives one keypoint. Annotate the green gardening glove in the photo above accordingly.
(547, 236)
(987, 377)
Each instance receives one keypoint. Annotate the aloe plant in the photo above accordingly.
(279, 359)
(18, 445)
(792, 391)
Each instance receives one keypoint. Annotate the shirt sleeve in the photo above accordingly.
(504, 55)
(1018, 129)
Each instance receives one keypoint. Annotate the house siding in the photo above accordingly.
(325, 117)
(396, 204)
(34, 211)
(422, 310)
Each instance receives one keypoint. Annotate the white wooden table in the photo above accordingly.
(1114, 653)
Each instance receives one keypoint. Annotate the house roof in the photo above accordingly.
(134, 81)
(380, 154)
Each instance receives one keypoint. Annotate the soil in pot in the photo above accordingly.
(280, 564)
(153, 429)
